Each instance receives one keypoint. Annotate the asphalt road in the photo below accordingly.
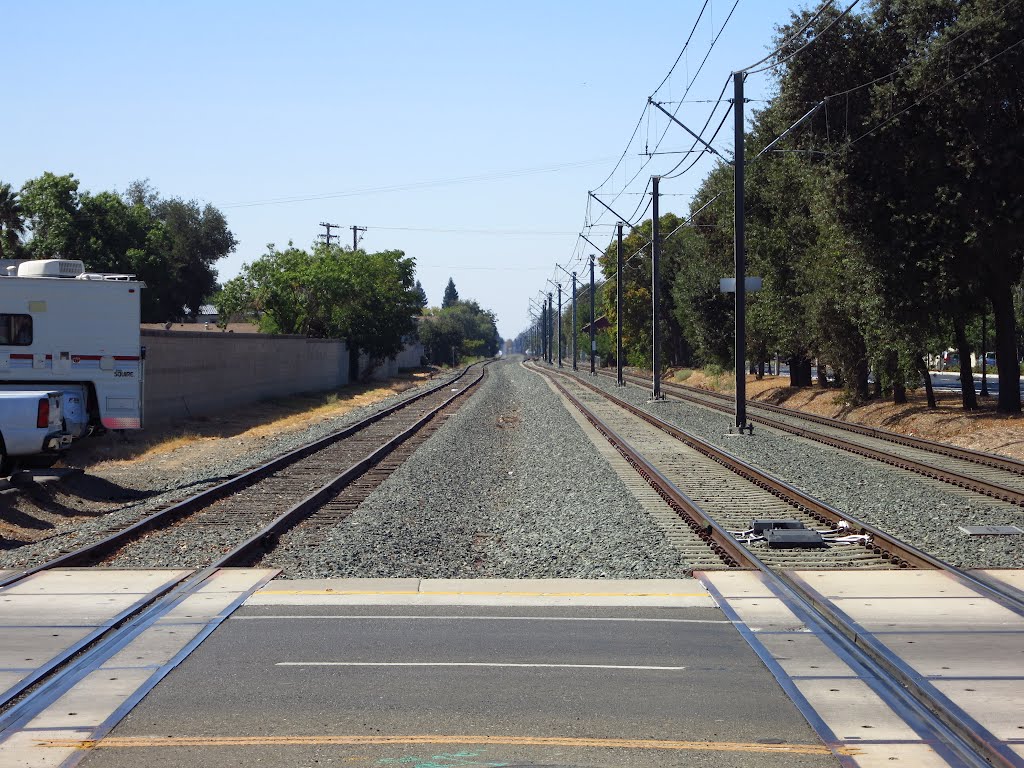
(305, 686)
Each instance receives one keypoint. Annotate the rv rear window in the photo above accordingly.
(15, 330)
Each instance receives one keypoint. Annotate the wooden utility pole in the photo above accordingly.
(328, 237)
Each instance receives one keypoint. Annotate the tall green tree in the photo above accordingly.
(366, 299)
(929, 154)
(451, 296)
(12, 223)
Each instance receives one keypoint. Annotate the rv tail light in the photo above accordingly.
(43, 414)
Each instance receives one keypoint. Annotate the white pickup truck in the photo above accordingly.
(31, 423)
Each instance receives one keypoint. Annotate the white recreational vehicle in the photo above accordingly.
(65, 330)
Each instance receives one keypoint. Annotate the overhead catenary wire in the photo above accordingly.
(927, 54)
(782, 46)
(932, 93)
(807, 44)
(687, 90)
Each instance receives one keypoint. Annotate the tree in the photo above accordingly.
(51, 205)
(12, 223)
(170, 244)
(366, 299)
(421, 295)
(451, 296)
(928, 157)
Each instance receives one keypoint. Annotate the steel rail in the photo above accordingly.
(978, 485)
(1002, 593)
(65, 666)
(716, 537)
(899, 553)
(179, 510)
(898, 682)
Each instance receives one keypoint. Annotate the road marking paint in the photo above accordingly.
(478, 618)
(462, 664)
(134, 742)
(475, 593)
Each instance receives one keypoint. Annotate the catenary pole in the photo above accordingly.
(575, 356)
(559, 286)
(740, 253)
(655, 291)
(618, 305)
(551, 332)
(593, 344)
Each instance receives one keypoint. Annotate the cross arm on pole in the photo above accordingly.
(595, 245)
(781, 136)
(620, 216)
(564, 269)
(675, 120)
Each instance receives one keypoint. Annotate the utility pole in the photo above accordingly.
(559, 286)
(551, 333)
(740, 252)
(575, 354)
(593, 344)
(328, 237)
(543, 331)
(355, 236)
(618, 305)
(655, 292)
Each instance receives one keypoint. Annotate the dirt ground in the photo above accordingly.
(234, 433)
(121, 471)
(981, 430)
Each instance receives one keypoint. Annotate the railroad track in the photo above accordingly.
(243, 518)
(676, 463)
(999, 477)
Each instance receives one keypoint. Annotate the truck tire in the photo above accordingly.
(6, 465)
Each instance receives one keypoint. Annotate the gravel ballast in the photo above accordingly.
(923, 512)
(145, 486)
(509, 487)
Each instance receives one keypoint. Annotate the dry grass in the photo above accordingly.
(232, 431)
(981, 430)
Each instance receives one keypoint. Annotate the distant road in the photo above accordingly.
(949, 381)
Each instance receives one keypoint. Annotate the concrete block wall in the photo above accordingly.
(202, 373)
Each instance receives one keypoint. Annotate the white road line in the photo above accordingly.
(462, 664)
(478, 618)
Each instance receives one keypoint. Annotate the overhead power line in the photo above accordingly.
(807, 44)
(496, 176)
(933, 92)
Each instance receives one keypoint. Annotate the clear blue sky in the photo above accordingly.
(365, 108)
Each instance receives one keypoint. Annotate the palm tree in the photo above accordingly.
(12, 225)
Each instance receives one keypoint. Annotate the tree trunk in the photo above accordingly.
(1006, 350)
(899, 389)
(967, 394)
(799, 372)
(822, 374)
(929, 390)
(860, 383)
(760, 369)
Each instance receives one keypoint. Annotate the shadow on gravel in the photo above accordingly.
(20, 519)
